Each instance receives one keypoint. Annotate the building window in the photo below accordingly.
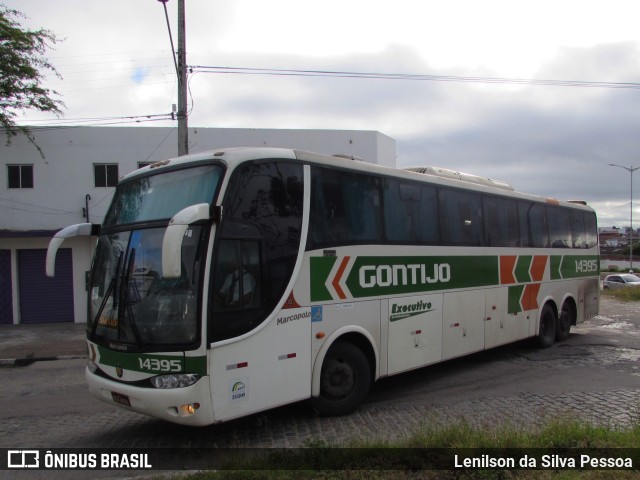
(20, 176)
(144, 164)
(105, 174)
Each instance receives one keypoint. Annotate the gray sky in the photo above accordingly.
(555, 141)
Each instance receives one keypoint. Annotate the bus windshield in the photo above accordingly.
(131, 306)
(161, 196)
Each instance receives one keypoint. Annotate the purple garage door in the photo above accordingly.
(44, 299)
(6, 290)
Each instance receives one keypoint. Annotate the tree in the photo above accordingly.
(22, 64)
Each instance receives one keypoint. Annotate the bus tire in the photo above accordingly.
(565, 320)
(345, 379)
(547, 332)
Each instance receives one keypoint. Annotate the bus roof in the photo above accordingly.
(436, 175)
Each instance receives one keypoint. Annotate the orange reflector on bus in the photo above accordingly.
(190, 408)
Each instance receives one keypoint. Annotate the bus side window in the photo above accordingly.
(537, 221)
(591, 229)
(501, 222)
(401, 211)
(577, 230)
(460, 217)
(523, 215)
(410, 212)
(345, 208)
(237, 275)
(559, 227)
(330, 221)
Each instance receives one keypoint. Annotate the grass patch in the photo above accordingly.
(435, 444)
(626, 294)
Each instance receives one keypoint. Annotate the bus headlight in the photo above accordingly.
(178, 380)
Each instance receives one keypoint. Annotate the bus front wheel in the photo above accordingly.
(547, 332)
(344, 380)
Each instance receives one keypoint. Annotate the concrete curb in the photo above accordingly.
(23, 362)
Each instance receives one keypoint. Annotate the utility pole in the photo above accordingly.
(630, 170)
(180, 62)
(183, 124)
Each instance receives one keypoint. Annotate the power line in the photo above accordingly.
(132, 118)
(150, 68)
(92, 122)
(146, 84)
(410, 76)
(53, 211)
(103, 123)
(159, 144)
(109, 54)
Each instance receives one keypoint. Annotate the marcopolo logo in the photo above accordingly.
(400, 311)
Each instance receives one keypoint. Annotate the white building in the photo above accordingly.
(74, 183)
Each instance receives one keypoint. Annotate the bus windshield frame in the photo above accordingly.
(131, 307)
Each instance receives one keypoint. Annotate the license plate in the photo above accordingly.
(121, 399)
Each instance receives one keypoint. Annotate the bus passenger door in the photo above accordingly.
(260, 352)
(415, 332)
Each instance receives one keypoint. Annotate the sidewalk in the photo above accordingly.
(23, 344)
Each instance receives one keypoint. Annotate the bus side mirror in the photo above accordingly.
(79, 230)
(172, 240)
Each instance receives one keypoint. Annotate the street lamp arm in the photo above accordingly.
(628, 169)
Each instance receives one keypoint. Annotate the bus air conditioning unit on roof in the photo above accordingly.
(463, 177)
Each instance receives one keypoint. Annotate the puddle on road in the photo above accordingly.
(628, 354)
(617, 325)
(622, 358)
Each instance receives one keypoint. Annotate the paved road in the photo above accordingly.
(594, 375)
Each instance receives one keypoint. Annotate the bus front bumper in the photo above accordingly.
(186, 406)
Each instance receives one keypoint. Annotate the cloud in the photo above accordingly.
(550, 141)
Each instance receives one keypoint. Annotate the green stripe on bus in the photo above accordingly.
(522, 269)
(196, 364)
(374, 276)
(152, 363)
(515, 294)
(320, 270)
(574, 266)
(371, 276)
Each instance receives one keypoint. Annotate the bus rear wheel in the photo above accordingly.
(344, 380)
(547, 332)
(565, 320)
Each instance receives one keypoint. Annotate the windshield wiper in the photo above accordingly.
(96, 319)
(110, 289)
(125, 310)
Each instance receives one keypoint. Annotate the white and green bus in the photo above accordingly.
(230, 282)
